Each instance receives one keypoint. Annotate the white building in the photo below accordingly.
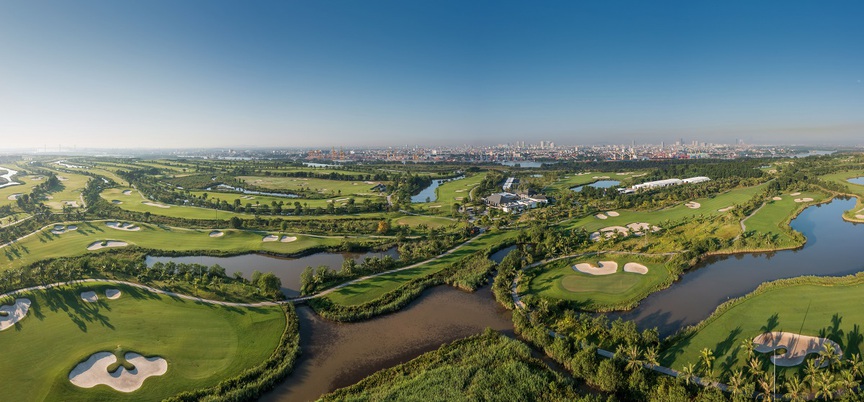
(668, 182)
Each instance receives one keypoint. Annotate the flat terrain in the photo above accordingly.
(570, 180)
(773, 217)
(45, 244)
(842, 178)
(330, 188)
(558, 280)
(203, 344)
(430, 221)
(454, 191)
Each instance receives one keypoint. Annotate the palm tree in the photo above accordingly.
(708, 360)
(766, 382)
(749, 347)
(634, 358)
(651, 356)
(755, 367)
(848, 382)
(856, 366)
(795, 389)
(736, 382)
(827, 386)
(811, 375)
(828, 356)
(686, 373)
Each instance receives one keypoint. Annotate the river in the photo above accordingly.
(429, 194)
(8, 176)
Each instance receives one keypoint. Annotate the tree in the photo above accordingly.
(686, 373)
(383, 226)
(236, 222)
(270, 283)
(795, 389)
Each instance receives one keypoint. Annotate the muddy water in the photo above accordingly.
(833, 248)
(337, 355)
(287, 269)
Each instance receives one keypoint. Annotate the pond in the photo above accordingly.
(599, 184)
(429, 194)
(287, 269)
(857, 180)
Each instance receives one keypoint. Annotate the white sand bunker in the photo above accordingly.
(153, 204)
(270, 238)
(123, 226)
(601, 216)
(693, 205)
(14, 197)
(805, 199)
(116, 202)
(60, 229)
(127, 192)
(216, 233)
(94, 371)
(89, 297)
(112, 294)
(288, 239)
(105, 244)
(636, 268)
(727, 209)
(797, 347)
(14, 313)
(859, 216)
(73, 204)
(794, 194)
(612, 213)
(777, 198)
(606, 268)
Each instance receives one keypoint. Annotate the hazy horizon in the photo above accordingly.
(218, 74)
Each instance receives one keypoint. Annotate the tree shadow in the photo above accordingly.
(772, 323)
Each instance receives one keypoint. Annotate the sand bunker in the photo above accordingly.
(153, 204)
(859, 216)
(123, 226)
(794, 194)
(612, 213)
(797, 347)
(270, 238)
(601, 216)
(216, 233)
(637, 228)
(606, 268)
(116, 202)
(89, 297)
(635, 268)
(112, 294)
(777, 198)
(14, 313)
(727, 209)
(288, 239)
(60, 229)
(127, 192)
(94, 371)
(14, 197)
(693, 205)
(73, 204)
(805, 199)
(105, 244)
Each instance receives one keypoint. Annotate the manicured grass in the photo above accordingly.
(374, 288)
(331, 188)
(26, 186)
(842, 178)
(818, 308)
(72, 188)
(202, 343)
(558, 280)
(775, 214)
(289, 202)
(454, 191)
(135, 202)
(430, 221)
(45, 244)
(709, 206)
(570, 180)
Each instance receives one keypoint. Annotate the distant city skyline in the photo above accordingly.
(197, 74)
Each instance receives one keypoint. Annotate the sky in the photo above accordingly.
(212, 73)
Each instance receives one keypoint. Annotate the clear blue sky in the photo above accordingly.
(321, 73)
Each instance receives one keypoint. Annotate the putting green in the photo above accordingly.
(203, 344)
(558, 280)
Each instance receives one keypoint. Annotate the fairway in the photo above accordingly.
(453, 191)
(842, 178)
(202, 343)
(571, 180)
(371, 289)
(822, 307)
(558, 280)
(430, 221)
(255, 199)
(772, 218)
(45, 244)
(330, 188)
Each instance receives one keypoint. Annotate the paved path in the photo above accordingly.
(743, 227)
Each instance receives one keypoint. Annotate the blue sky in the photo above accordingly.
(322, 73)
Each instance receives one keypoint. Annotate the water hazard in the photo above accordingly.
(832, 249)
(287, 269)
(429, 194)
(598, 184)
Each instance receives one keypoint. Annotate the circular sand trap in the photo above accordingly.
(601, 216)
(805, 199)
(635, 268)
(89, 297)
(94, 371)
(777, 198)
(727, 209)
(105, 244)
(797, 347)
(693, 205)
(112, 294)
(216, 233)
(612, 213)
(123, 226)
(116, 202)
(606, 268)
(270, 238)
(13, 313)
(153, 204)
(127, 192)
(288, 239)
(14, 197)
(794, 194)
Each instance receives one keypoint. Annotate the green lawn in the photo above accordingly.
(454, 191)
(558, 280)
(26, 186)
(842, 178)
(306, 202)
(203, 344)
(374, 288)
(430, 221)
(815, 308)
(570, 180)
(709, 206)
(774, 215)
(73, 185)
(46, 245)
(330, 188)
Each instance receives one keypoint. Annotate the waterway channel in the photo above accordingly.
(429, 194)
